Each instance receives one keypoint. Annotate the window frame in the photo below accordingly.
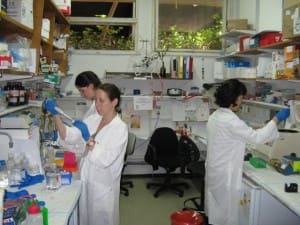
(109, 21)
(156, 33)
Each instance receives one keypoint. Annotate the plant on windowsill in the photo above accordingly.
(164, 44)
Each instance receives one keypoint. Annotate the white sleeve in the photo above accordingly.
(247, 134)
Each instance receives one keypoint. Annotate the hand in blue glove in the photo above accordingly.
(50, 105)
(283, 114)
(83, 128)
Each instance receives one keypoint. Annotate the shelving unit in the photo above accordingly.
(137, 76)
(59, 24)
(235, 35)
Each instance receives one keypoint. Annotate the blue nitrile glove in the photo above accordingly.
(30, 180)
(83, 128)
(50, 105)
(283, 114)
(16, 194)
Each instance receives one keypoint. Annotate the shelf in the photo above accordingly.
(264, 104)
(14, 109)
(235, 34)
(138, 76)
(51, 7)
(11, 26)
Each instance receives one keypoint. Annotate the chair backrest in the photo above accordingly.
(131, 143)
(188, 150)
(163, 146)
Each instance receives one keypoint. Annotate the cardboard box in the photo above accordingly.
(22, 11)
(290, 53)
(289, 3)
(237, 24)
(291, 21)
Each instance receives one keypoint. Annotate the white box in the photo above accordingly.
(64, 6)
(45, 32)
(21, 10)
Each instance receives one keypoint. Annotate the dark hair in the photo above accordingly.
(228, 92)
(113, 92)
(86, 78)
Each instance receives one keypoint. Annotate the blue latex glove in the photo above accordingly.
(283, 114)
(83, 128)
(16, 194)
(29, 180)
(50, 105)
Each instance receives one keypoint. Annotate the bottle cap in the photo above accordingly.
(34, 209)
(42, 203)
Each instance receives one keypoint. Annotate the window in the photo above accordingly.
(102, 24)
(190, 24)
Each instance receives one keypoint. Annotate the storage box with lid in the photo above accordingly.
(291, 20)
(21, 10)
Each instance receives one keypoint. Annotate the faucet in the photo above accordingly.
(10, 143)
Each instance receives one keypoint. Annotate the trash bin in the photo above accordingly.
(186, 217)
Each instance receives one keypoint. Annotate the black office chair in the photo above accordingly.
(125, 184)
(196, 167)
(162, 151)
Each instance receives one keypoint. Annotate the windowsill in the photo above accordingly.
(181, 52)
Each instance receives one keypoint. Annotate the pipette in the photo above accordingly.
(60, 111)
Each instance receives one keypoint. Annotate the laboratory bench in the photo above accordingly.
(272, 185)
(62, 203)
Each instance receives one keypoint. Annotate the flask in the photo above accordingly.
(44, 210)
(34, 216)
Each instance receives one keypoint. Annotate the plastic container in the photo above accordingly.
(186, 217)
(258, 163)
(34, 216)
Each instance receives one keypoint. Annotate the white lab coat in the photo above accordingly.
(92, 110)
(227, 136)
(101, 172)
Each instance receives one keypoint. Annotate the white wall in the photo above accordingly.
(123, 61)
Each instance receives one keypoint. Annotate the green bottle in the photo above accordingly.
(44, 211)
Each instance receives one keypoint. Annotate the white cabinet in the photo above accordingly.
(258, 207)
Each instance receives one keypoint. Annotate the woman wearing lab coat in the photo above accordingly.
(101, 169)
(85, 82)
(227, 136)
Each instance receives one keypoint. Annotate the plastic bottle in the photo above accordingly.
(44, 210)
(34, 216)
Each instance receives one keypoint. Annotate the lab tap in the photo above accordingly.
(10, 143)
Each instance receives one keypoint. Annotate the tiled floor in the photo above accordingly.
(141, 208)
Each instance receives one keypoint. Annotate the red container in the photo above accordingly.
(270, 38)
(186, 217)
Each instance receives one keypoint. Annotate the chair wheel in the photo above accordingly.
(126, 194)
(180, 195)
(148, 186)
(131, 185)
(155, 195)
